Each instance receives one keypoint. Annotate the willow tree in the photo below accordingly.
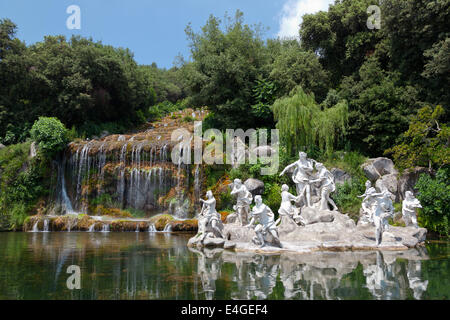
(303, 123)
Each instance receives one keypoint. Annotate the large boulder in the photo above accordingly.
(255, 186)
(375, 168)
(2, 146)
(408, 180)
(263, 151)
(340, 176)
(389, 182)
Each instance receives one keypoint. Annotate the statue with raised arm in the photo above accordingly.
(302, 177)
(327, 186)
(409, 206)
(244, 199)
(266, 226)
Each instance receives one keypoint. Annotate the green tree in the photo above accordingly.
(293, 66)
(434, 196)
(50, 135)
(227, 62)
(303, 124)
(425, 143)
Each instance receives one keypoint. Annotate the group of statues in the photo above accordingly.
(312, 180)
(377, 208)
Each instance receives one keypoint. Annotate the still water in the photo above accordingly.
(160, 266)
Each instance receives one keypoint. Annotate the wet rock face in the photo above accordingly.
(255, 186)
(2, 146)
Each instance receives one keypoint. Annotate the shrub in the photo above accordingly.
(434, 195)
(50, 134)
(346, 197)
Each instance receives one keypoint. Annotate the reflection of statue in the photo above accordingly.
(301, 177)
(210, 218)
(409, 206)
(384, 210)
(262, 214)
(244, 198)
(327, 186)
(414, 274)
(368, 204)
(287, 210)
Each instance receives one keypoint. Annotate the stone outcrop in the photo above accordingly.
(408, 180)
(375, 168)
(255, 186)
(340, 176)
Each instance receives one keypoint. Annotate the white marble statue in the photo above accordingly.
(286, 208)
(384, 210)
(262, 214)
(302, 176)
(209, 222)
(244, 199)
(409, 206)
(327, 186)
(368, 204)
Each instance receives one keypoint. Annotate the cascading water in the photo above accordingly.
(46, 225)
(152, 228)
(124, 173)
(105, 228)
(35, 227)
(92, 228)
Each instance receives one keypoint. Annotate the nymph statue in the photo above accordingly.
(384, 210)
(262, 214)
(286, 208)
(327, 186)
(209, 223)
(244, 199)
(368, 204)
(302, 177)
(409, 206)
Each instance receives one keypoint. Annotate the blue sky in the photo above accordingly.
(153, 30)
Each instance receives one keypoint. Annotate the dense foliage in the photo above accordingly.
(303, 124)
(50, 135)
(426, 141)
(434, 195)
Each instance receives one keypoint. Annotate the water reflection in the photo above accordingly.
(320, 275)
(160, 266)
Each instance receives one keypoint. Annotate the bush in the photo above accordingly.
(346, 197)
(272, 196)
(434, 195)
(50, 134)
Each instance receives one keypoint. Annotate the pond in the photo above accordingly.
(132, 265)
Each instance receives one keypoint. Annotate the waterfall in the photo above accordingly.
(197, 183)
(105, 228)
(168, 228)
(92, 228)
(152, 228)
(46, 223)
(35, 227)
(137, 227)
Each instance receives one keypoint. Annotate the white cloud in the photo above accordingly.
(292, 12)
